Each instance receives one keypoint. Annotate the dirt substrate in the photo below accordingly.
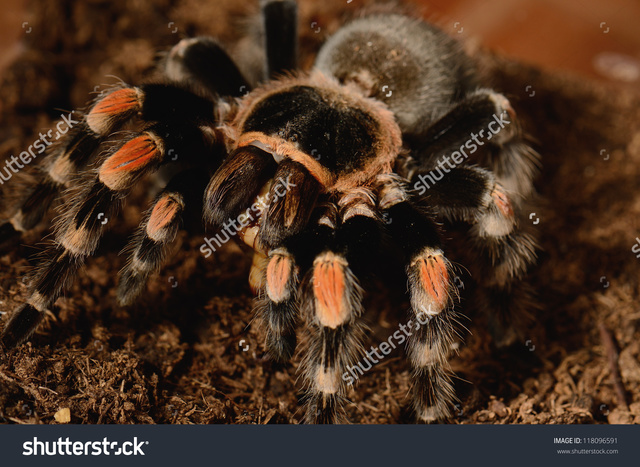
(177, 356)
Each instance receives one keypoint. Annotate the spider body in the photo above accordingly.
(305, 169)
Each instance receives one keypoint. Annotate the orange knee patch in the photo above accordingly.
(502, 201)
(279, 271)
(330, 289)
(112, 106)
(116, 172)
(434, 278)
(163, 214)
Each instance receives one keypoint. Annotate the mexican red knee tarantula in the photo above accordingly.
(385, 140)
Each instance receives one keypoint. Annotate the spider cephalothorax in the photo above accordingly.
(386, 139)
(311, 131)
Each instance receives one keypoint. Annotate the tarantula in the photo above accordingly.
(386, 139)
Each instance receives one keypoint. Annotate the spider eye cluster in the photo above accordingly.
(291, 136)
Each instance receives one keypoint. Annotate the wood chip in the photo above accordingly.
(63, 415)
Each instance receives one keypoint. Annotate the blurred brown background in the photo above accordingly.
(597, 38)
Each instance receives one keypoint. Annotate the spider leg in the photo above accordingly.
(281, 36)
(151, 102)
(92, 205)
(281, 199)
(59, 167)
(332, 304)
(503, 261)
(204, 60)
(485, 122)
(276, 305)
(149, 247)
(465, 193)
(431, 330)
(505, 249)
(30, 212)
(481, 128)
(274, 278)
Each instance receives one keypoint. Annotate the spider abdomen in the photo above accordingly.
(412, 66)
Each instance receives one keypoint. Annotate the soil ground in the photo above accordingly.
(177, 356)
